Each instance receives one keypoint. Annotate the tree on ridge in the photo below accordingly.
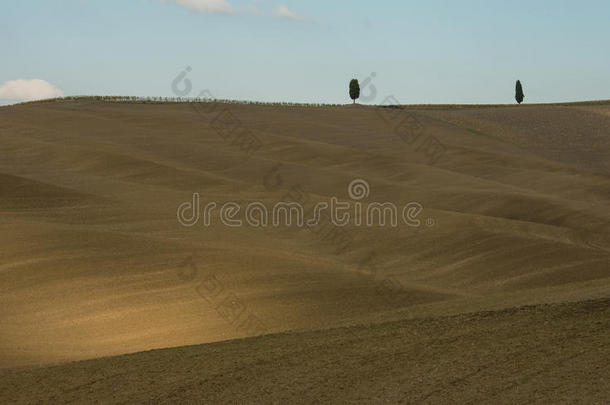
(519, 92)
(354, 90)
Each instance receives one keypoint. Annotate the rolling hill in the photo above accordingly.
(498, 294)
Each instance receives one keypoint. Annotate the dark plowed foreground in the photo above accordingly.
(94, 263)
(556, 354)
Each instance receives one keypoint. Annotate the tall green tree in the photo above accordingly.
(519, 92)
(354, 90)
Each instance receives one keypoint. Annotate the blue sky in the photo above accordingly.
(469, 51)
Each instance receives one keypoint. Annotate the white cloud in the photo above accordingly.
(207, 6)
(284, 12)
(28, 90)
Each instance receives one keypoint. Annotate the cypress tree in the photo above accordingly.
(519, 92)
(354, 90)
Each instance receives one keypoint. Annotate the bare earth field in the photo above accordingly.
(500, 295)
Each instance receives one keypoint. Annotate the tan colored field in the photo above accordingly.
(501, 295)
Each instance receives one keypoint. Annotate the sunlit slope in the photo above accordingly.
(94, 261)
(542, 354)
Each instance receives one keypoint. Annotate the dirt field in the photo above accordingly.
(500, 295)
